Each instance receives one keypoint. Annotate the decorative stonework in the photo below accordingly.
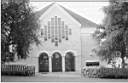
(56, 30)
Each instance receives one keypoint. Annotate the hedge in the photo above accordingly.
(18, 70)
(105, 72)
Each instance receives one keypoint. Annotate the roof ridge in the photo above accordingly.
(83, 21)
(40, 12)
(75, 15)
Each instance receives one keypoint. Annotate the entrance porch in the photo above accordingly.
(57, 62)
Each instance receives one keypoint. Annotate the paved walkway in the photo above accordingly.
(57, 77)
(60, 74)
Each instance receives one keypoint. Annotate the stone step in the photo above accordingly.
(60, 74)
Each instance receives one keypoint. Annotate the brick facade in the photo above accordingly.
(80, 42)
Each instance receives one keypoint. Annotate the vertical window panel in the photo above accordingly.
(70, 32)
(48, 29)
(45, 27)
(66, 32)
(60, 40)
(63, 36)
(56, 30)
(52, 27)
(56, 43)
(52, 40)
(42, 32)
(59, 28)
(56, 33)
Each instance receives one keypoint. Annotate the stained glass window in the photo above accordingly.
(42, 32)
(66, 28)
(70, 33)
(56, 30)
(45, 36)
(49, 30)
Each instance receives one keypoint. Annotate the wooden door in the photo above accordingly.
(56, 62)
(69, 62)
(43, 63)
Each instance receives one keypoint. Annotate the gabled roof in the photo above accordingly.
(41, 12)
(83, 21)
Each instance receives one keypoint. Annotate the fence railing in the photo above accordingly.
(21, 70)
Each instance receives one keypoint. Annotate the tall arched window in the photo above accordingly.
(56, 62)
(43, 62)
(69, 61)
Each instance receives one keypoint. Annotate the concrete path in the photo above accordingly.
(60, 74)
(57, 77)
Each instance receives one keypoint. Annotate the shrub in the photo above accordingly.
(91, 72)
(18, 70)
(105, 72)
(114, 72)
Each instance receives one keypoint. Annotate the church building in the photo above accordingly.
(66, 41)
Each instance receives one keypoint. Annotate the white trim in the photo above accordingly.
(72, 51)
(44, 52)
(56, 51)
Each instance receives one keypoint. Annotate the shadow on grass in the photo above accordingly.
(113, 77)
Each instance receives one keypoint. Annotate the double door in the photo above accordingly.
(56, 62)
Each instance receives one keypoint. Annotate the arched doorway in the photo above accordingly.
(69, 62)
(56, 62)
(43, 62)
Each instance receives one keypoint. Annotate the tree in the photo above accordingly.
(99, 33)
(116, 30)
(19, 26)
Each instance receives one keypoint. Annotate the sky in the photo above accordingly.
(92, 11)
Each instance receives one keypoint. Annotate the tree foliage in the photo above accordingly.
(116, 30)
(18, 27)
(99, 33)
